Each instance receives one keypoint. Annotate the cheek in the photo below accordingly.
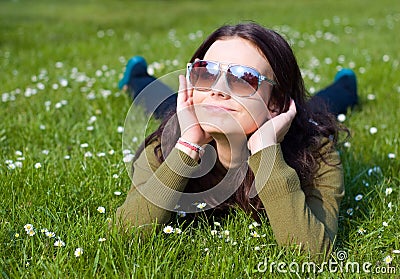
(254, 116)
(197, 98)
(252, 121)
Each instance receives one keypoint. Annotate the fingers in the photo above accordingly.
(189, 87)
(292, 109)
(289, 115)
(182, 94)
(282, 122)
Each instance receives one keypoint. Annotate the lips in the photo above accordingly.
(218, 108)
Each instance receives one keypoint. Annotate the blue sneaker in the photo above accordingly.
(348, 79)
(345, 72)
(137, 66)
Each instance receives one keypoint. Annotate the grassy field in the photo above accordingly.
(61, 120)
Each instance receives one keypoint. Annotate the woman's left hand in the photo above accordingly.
(273, 131)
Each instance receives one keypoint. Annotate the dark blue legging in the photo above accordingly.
(338, 97)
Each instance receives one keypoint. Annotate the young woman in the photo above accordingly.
(243, 135)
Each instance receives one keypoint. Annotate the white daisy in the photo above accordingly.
(181, 213)
(341, 117)
(168, 230)
(201, 205)
(361, 231)
(88, 154)
(50, 234)
(28, 227)
(254, 234)
(388, 259)
(92, 119)
(391, 155)
(78, 252)
(101, 209)
(350, 211)
(59, 243)
(373, 130)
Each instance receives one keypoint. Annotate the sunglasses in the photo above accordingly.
(242, 81)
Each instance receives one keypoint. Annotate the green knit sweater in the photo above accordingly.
(308, 217)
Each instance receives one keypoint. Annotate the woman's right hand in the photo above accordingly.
(191, 130)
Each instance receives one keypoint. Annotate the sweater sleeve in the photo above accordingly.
(155, 188)
(306, 217)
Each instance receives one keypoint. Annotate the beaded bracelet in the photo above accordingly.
(193, 146)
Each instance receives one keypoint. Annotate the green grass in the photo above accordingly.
(45, 43)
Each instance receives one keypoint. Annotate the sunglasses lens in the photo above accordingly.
(243, 81)
(203, 74)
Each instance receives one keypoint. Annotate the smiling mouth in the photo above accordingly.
(214, 108)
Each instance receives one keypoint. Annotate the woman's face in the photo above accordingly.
(220, 111)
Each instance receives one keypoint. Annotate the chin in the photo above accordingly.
(211, 128)
(225, 125)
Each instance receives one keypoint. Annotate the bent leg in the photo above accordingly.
(146, 90)
(339, 96)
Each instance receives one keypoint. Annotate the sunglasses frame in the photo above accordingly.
(259, 76)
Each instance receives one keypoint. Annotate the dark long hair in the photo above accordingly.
(302, 144)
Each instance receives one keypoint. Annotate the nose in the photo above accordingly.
(220, 87)
(220, 94)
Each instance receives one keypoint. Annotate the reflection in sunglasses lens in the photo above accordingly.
(241, 80)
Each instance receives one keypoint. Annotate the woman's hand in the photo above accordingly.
(273, 131)
(189, 125)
